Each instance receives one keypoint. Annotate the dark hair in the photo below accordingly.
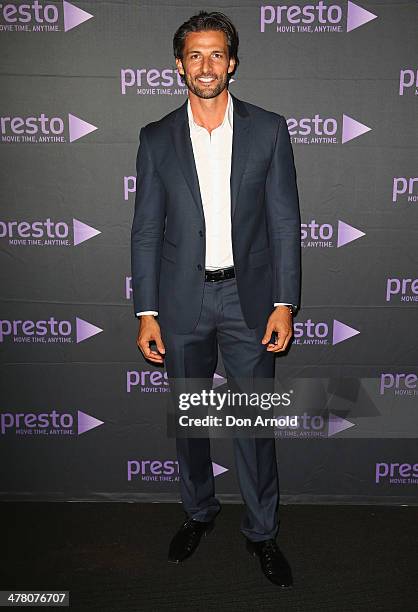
(208, 21)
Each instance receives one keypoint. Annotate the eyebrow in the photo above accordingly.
(213, 51)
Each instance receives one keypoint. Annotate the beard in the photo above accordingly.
(207, 92)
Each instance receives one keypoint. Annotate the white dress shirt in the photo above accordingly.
(212, 154)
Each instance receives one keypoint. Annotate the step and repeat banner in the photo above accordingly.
(81, 413)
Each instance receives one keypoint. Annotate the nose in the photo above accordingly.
(206, 65)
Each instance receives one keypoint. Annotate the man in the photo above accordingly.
(216, 262)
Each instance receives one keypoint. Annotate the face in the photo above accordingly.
(205, 64)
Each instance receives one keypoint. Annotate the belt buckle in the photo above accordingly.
(218, 275)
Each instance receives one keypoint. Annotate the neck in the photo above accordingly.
(209, 112)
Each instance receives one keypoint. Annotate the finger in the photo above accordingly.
(160, 344)
(278, 348)
(280, 341)
(149, 354)
(155, 357)
(144, 346)
(267, 335)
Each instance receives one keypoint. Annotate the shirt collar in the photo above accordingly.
(229, 114)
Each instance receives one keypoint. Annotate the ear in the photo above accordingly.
(179, 65)
(231, 65)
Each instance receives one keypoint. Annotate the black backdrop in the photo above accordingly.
(81, 411)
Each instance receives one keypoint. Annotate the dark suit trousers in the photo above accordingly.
(194, 355)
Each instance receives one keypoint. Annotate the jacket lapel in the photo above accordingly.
(185, 156)
(184, 150)
(240, 149)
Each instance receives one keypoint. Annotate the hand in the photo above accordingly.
(280, 321)
(149, 330)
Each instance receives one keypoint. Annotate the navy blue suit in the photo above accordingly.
(195, 317)
(168, 266)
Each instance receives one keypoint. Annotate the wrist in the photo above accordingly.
(289, 307)
(147, 317)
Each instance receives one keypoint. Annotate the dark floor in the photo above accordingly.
(112, 556)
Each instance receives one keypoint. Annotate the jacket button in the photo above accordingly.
(200, 233)
(199, 267)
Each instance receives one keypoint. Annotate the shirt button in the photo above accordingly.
(200, 233)
(199, 267)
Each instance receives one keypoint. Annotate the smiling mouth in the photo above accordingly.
(206, 80)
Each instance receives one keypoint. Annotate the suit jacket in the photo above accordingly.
(168, 229)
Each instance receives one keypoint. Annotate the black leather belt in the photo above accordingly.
(214, 276)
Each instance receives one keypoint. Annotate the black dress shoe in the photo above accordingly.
(273, 563)
(187, 539)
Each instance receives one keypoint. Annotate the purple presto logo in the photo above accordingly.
(405, 189)
(47, 331)
(321, 333)
(154, 470)
(129, 186)
(151, 82)
(396, 473)
(403, 290)
(322, 235)
(325, 130)
(47, 423)
(41, 17)
(46, 232)
(41, 129)
(399, 384)
(313, 426)
(408, 81)
(146, 381)
(319, 18)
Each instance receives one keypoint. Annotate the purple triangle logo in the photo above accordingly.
(83, 232)
(85, 330)
(86, 422)
(347, 233)
(352, 129)
(78, 127)
(218, 380)
(341, 332)
(218, 469)
(337, 424)
(73, 16)
(357, 16)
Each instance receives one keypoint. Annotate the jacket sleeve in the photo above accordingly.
(147, 229)
(283, 218)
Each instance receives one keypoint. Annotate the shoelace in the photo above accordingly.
(270, 548)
